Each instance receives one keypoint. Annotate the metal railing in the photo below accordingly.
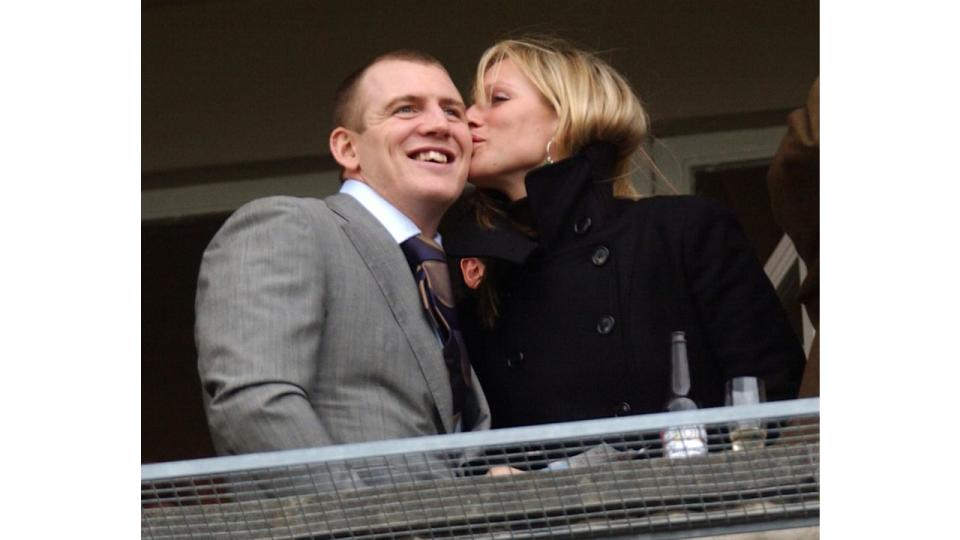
(591, 478)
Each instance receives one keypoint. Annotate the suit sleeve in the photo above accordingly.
(259, 310)
(746, 325)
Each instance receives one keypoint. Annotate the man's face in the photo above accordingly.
(414, 148)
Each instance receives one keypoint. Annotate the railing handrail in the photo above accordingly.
(519, 435)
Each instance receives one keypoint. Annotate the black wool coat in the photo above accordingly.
(586, 318)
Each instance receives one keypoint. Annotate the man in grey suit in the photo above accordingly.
(310, 330)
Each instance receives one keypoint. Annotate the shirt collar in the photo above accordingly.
(397, 224)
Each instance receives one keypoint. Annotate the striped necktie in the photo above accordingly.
(429, 267)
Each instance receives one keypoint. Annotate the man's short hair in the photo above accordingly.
(346, 111)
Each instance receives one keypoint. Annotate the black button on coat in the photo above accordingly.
(667, 264)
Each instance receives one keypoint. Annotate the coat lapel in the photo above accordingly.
(388, 266)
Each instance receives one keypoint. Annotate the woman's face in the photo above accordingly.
(510, 130)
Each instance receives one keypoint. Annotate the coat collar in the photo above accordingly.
(465, 237)
(558, 194)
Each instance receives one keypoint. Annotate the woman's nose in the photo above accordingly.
(473, 116)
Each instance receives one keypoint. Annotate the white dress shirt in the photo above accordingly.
(397, 224)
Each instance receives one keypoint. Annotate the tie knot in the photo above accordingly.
(418, 249)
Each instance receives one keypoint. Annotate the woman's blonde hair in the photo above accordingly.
(593, 102)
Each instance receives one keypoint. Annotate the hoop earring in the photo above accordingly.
(549, 160)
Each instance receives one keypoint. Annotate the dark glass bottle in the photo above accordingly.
(681, 441)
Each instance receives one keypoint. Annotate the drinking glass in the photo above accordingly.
(746, 434)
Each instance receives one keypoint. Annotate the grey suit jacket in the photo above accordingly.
(310, 332)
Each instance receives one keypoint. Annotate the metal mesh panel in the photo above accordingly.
(593, 478)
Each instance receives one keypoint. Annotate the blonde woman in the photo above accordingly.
(584, 281)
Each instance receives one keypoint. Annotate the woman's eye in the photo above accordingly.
(497, 98)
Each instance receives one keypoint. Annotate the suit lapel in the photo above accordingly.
(386, 263)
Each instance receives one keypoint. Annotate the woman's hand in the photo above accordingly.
(503, 470)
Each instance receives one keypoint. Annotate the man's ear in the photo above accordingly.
(344, 149)
(473, 270)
